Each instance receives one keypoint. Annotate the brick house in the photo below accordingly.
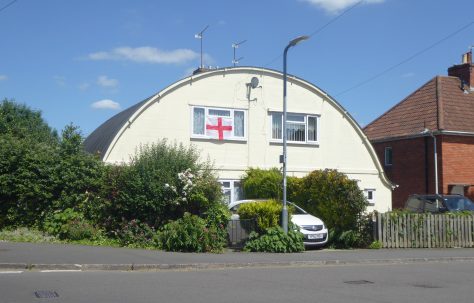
(439, 114)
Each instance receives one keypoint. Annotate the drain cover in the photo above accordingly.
(42, 294)
(426, 286)
(358, 282)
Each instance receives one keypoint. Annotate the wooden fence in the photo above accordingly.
(424, 230)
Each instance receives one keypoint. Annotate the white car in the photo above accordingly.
(313, 229)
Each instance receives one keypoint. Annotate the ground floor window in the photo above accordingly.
(232, 190)
(370, 195)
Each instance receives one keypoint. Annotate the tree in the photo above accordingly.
(40, 172)
(21, 122)
(26, 165)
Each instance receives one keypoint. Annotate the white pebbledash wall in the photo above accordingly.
(342, 144)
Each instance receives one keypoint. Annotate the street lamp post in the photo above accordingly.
(284, 212)
(429, 132)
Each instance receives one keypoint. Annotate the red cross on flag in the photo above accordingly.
(218, 127)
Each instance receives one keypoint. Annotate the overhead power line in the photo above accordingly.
(320, 29)
(6, 6)
(380, 74)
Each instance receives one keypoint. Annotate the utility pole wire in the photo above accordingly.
(1, 9)
(320, 29)
(336, 18)
(405, 60)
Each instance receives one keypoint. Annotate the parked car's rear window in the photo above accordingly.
(459, 203)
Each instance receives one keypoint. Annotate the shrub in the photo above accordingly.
(161, 183)
(190, 234)
(276, 241)
(217, 218)
(136, 234)
(338, 201)
(264, 184)
(266, 213)
(69, 224)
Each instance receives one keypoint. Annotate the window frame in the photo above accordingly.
(388, 156)
(306, 127)
(234, 184)
(232, 111)
(366, 194)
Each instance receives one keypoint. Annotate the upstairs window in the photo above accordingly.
(218, 123)
(388, 156)
(301, 128)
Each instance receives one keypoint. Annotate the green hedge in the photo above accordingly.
(266, 213)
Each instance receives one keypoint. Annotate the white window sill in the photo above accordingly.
(315, 143)
(214, 139)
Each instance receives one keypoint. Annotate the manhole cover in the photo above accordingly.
(358, 282)
(426, 286)
(41, 294)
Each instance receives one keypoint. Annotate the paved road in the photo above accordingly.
(423, 282)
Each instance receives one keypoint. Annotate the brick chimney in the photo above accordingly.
(464, 71)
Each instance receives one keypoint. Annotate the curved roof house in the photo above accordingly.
(234, 116)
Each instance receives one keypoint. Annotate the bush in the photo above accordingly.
(338, 201)
(266, 213)
(190, 234)
(69, 224)
(217, 218)
(262, 184)
(136, 234)
(275, 240)
(161, 183)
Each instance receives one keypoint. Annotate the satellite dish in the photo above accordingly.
(254, 82)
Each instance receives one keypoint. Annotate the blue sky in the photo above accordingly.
(83, 61)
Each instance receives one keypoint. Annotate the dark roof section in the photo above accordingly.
(100, 139)
(440, 104)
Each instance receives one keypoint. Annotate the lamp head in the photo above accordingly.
(298, 40)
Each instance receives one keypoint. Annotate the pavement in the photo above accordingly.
(46, 256)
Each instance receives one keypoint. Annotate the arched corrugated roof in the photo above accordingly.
(101, 138)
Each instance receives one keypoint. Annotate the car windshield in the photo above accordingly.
(297, 209)
(458, 203)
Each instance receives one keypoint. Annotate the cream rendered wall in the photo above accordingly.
(342, 145)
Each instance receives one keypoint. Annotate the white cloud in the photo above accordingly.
(3, 77)
(105, 81)
(84, 86)
(146, 54)
(335, 6)
(105, 104)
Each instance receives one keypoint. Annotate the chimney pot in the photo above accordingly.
(464, 71)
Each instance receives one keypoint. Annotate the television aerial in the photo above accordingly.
(235, 46)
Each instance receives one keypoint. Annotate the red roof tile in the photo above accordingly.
(440, 104)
